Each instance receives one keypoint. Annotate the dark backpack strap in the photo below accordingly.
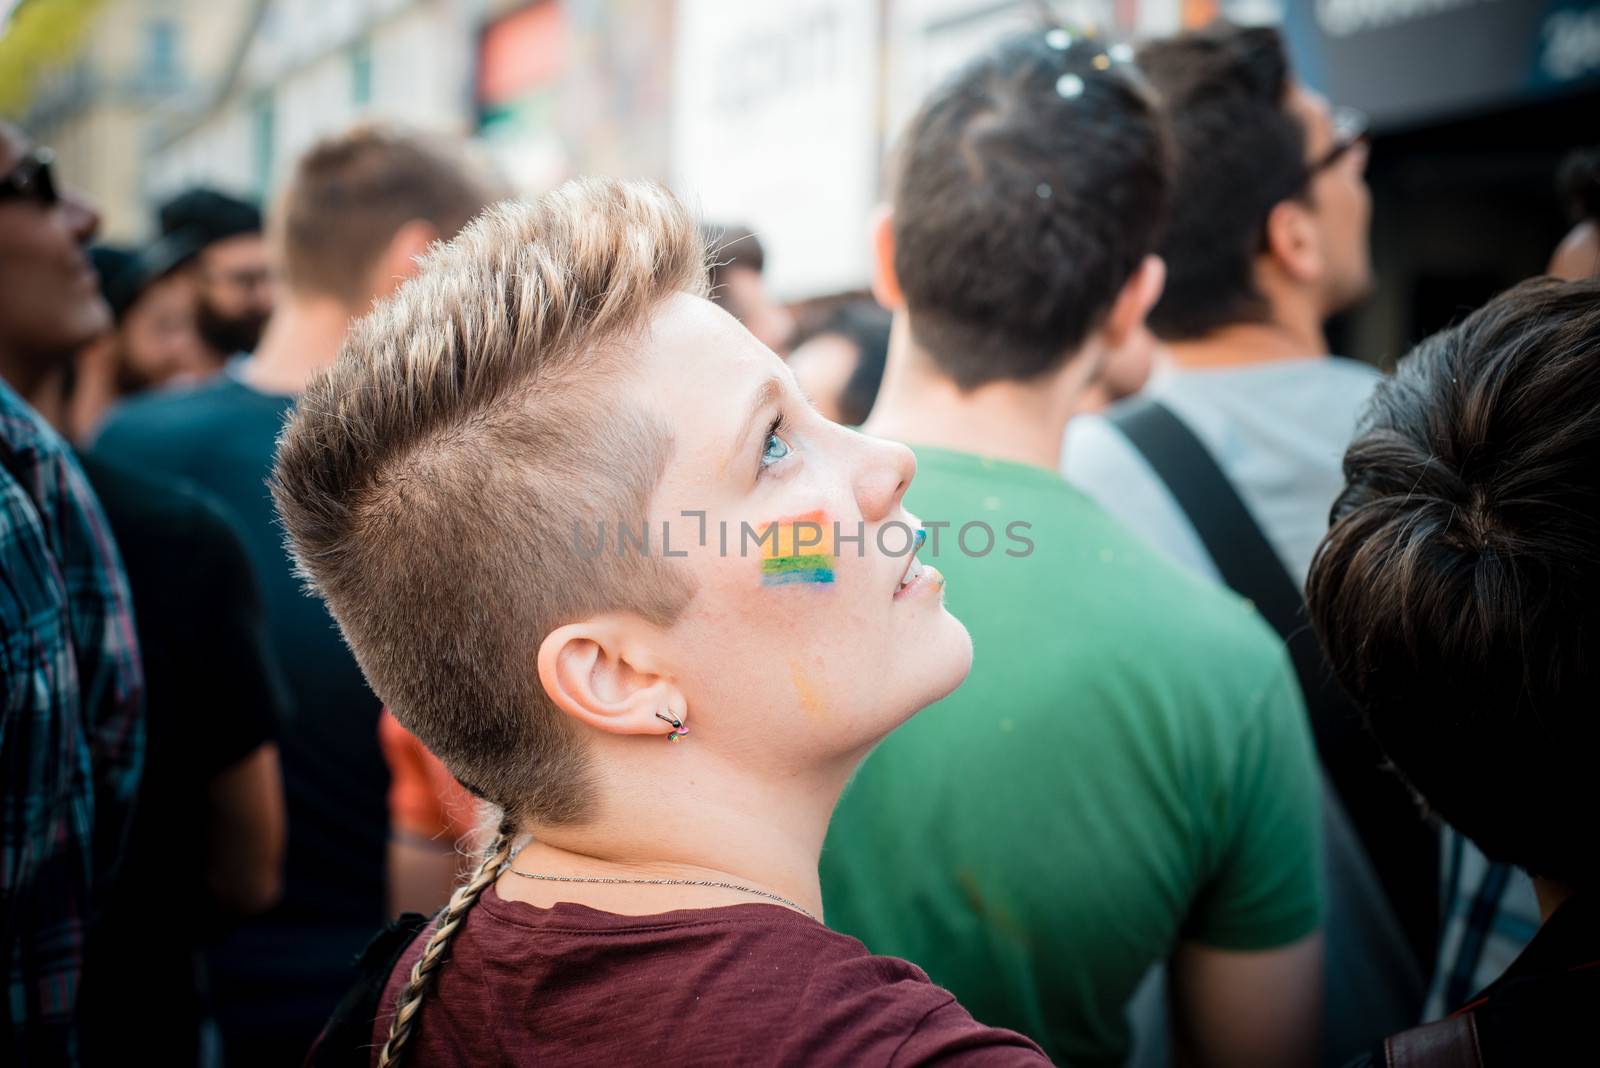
(1448, 1043)
(1248, 563)
(346, 1039)
(1403, 849)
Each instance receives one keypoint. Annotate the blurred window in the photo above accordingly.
(361, 73)
(161, 51)
(264, 122)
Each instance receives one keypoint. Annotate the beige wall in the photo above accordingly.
(99, 119)
(98, 154)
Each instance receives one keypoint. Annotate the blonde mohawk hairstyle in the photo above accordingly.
(433, 480)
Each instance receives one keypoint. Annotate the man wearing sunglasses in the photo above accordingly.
(72, 725)
(1229, 461)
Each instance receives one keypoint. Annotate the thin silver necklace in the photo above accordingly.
(663, 882)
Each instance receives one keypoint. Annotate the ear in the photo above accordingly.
(602, 673)
(885, 283)
(1139, 294)
(1293, 242)
(398, 260)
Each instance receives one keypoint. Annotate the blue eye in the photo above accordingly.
(776, 449)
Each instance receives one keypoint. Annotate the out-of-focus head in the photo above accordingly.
(50, 303)
(737, 264)
(361, 208)
(153, 293)
(554, 369)
(1126, 370)
(1028, 194)
(1578, 255)
(839, 363)
(1269, 199)
(1458, 591)
(233, 276)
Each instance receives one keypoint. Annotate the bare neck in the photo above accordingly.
(1023, 422)
(39, 380)
(1247, 344)
(302, 337)
(697, 818)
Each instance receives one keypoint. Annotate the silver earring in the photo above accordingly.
(678, 729)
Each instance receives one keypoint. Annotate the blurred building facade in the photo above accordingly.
(140, 61)
(779, 115)
(307, 68)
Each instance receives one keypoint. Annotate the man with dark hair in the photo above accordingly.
(72, 725)
(737, 263)
(357, 212)
(232, 267)
(1456, 595)
(1079, 810)
(1266, 239)
(153, 293)
(1229, 459)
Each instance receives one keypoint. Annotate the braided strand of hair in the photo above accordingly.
(454, 914)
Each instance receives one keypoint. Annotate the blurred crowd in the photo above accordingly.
(1273, 748)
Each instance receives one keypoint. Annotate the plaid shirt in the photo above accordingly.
(1492, 915)
(72, 731)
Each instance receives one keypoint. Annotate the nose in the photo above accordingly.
(886, 469)
(83, 219)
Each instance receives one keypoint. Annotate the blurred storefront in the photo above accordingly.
(567, 87)
(782, 113)
(779, 115)
(1473, 104)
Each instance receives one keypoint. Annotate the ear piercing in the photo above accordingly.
(678, 729)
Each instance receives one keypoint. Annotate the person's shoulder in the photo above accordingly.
(176, 507)
(1350, 369)
(1328, 384)
(173, 413)
(23, 431)
(859, 1008)
(173, 533)
(1094, 448)
(1344, 380)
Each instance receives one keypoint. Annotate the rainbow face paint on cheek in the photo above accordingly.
(799, 551)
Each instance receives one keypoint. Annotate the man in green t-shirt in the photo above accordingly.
(1127, 777)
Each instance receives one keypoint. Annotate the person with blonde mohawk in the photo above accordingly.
(665, 723)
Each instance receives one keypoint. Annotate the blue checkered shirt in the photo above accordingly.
(71, 734)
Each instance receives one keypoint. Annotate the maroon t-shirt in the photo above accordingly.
(746, 984)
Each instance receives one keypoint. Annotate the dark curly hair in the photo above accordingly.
(1458, 591)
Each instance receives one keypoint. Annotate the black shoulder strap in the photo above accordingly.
(1248, 563)
(346, 1039)
(1402, 847)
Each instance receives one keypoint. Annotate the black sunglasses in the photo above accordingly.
(1349, 130)
(31, 179)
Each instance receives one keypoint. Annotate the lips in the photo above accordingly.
(915, 568)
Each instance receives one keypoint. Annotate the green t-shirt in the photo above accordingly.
(1128, 766)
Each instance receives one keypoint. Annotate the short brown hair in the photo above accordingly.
(351, 193)
(1029, 188)
(1240, 152)
(434, 479)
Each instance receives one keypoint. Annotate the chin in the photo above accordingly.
(944, 658)
(89, 322)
